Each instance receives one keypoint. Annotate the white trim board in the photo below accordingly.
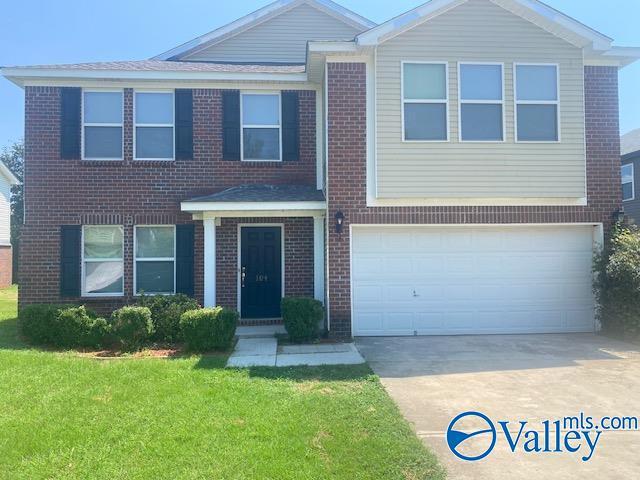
(252, 206)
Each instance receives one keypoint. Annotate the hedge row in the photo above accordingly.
(168, 319)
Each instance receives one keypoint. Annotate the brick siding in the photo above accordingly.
(72, 192)
(347, 177)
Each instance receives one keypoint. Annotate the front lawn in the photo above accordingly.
(62, 416)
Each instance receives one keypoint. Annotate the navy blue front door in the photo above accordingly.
(260, 271)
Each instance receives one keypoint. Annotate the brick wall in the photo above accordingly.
(6, 266)
(298, 257)
(70, 192)
(347, 177)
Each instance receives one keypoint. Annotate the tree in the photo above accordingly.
(13, 157)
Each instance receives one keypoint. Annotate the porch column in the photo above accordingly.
(318, 258)
(209, 262)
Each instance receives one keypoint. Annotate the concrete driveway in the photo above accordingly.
(515, 378)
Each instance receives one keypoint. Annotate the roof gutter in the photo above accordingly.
(21, 76)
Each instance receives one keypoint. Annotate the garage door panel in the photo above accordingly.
(429, 280)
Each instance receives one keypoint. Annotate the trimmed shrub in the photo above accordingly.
(66, 326)
(302, 317)
(165, 315)
(209, 328)
(132, 326)
(617, 284)
(79, 327)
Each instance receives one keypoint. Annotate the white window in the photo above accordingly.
(537, 103)
(261, 132)
(154, 118)
(102, 115)
(628, 183)
(481, 89)
(155, 267)
(102, 261)
(425, 96)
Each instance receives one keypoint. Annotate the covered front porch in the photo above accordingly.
(261, 243)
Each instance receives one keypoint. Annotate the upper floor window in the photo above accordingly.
(261, 130)
(537, 103)
(102, 115)
(154, 119)
(628, 184)
(425, 96)
(481, 102)
(155, 254)
(102, 261)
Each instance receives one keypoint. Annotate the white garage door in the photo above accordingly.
(472, 280)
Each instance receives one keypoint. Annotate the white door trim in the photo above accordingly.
(239, 255)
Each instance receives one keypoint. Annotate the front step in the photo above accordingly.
(259, 331)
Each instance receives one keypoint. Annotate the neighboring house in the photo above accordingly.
(630, 150)
(446, 172)
(7, 180)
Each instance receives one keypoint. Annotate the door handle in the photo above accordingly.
(243, 275)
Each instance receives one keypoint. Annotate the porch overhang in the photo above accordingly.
(258, 201)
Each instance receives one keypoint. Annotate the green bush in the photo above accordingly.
(209, 328)
(166, 311)
(302, 317)
(79, 327)
(617, 284)
(66, 326)
(132, 326)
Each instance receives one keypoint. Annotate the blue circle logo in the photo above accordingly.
(471, 436)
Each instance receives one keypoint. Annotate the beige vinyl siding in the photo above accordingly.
(5, 211)
(279, 39)
(479, 31)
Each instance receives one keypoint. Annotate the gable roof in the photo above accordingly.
(533, 10)
(270, 11)
(5, 172)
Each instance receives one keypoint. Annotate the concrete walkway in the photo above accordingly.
(515, 378)
(264, 352)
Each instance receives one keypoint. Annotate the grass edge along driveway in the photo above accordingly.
(62, 416)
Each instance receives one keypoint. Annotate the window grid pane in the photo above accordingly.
(154, 108)
(155, 260)
(627, 174)
(537, 122)
(481, 122)
(424, 81)
(102, 125)
(425, 121)
(536, 83)
(481, 82)
(103, 264)
(260, 110)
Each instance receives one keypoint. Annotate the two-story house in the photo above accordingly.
(630, 174)
(449, 171)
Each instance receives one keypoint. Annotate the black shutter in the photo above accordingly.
(184, 259)
(184, 124)
(290, 126)
(231, 125)
(70, 123)
(70, 251)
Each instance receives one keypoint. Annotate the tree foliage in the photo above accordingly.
(617, 284)
(13, 157)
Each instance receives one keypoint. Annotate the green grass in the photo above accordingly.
(62, 416)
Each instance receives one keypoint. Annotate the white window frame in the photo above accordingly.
(270, 127)
(517, 102)
(633, 181)
(155, 125)
(84, 292)
(152, 259)
(444, 101)
(481, 102)
(121, 124)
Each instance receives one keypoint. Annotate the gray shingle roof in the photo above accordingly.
(265, 193)
(169, 66)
